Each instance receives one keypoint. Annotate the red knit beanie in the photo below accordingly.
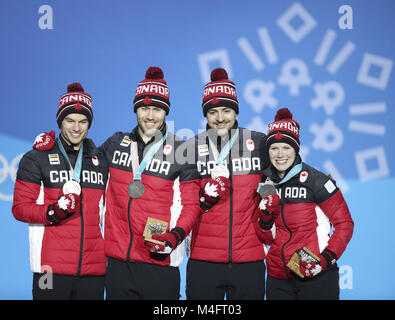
(74, 101)
(220, 92)
(284, 129)
(152, 91)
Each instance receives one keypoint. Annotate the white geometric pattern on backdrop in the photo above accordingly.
(329, 95)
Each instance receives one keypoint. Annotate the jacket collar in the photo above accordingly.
(89, 147)
(212, 135)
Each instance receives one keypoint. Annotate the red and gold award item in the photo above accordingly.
(303, 254)
(154, 226)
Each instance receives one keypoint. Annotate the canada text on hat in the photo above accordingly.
(284, 129)
(74, 101)
(153, 91)
(219, 92)
(284, 125)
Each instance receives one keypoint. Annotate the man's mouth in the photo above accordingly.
(221, 125)
(75, 135)
(150, 124)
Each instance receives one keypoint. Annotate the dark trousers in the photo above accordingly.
(48, 286)
(211, 281)
(136, 280)
(324, 286)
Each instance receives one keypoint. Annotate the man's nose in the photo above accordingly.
(76, 126)
(150, 114)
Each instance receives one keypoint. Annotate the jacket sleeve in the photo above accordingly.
(190, 183)
(189, 189)
(25, 207)
(106, 150)
(265, 236)
(335, 208)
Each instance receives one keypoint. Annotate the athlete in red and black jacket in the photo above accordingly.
(310, 205)
(139, 269)
(226, 255)
(171, 195)
(66, 241)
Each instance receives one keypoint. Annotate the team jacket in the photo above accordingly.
(225, 233)
(75, 246)
(171, 194)
(311, 204)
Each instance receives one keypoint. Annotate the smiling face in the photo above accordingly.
(74, 129)
(221, 119)
(149, 120)
(282, 156)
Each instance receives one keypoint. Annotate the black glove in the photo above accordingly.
(65, 207)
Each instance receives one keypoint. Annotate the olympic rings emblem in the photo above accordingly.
(8, 170)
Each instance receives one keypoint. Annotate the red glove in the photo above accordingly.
(270, 209)
(311, 269)
(171, 239)
(44, 141)
(67, 205)
(213, 190)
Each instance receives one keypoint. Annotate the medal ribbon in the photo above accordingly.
(139, 168)
(219, 157)
(76, 171)
(291, 173)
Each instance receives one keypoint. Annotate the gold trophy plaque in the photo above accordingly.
(303, 254)
(154, 226)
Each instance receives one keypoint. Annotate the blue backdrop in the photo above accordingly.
(331, 64)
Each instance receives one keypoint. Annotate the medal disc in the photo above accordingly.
(72, 186)
(136, 189)
(220, 170)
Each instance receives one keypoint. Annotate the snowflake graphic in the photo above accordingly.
(323, 102)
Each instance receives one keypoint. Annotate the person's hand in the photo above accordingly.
(270, 209)
(168, 238)
(171, 239)
(311, 269)
(44, 141)
(65, 207)
(212, 192)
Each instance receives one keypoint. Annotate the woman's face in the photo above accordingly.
(282, 156)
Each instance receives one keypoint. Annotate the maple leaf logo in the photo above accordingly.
(78, 106)
(39, 138)
(63, 203)
(278, 136)
(147, 100)
(263, 204)
(211, 189)
(215, 101)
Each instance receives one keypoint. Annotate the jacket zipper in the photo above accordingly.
(130, 230)
(82, 229)
(82, 238)
(140, 154)
(285, 243)
(230, 210)
(230, 220)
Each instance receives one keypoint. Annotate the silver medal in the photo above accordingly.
(72, 186)
(136, 189)
(220, 170)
